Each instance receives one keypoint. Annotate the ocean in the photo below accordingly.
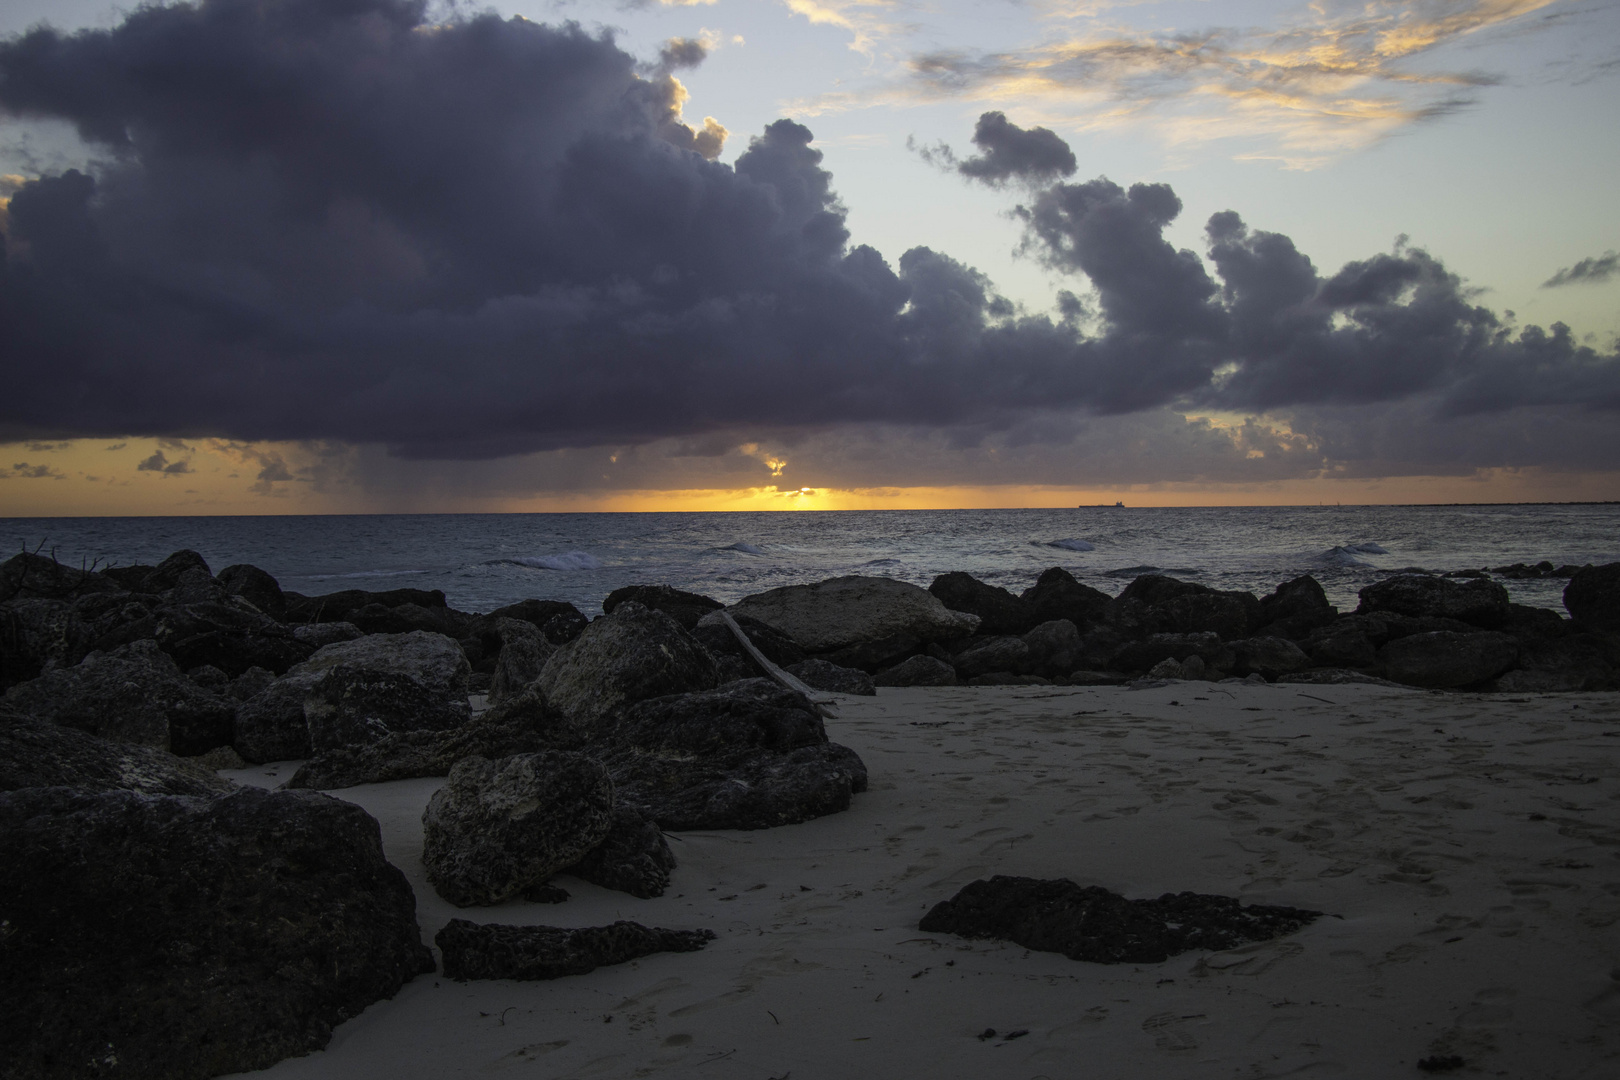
(484, 561)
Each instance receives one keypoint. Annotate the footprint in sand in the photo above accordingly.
(1169, 1031)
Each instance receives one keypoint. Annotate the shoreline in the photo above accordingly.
(1463, 841)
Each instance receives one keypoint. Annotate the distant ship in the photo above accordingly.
(1103, 506)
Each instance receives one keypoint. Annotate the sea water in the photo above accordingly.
(484, 561)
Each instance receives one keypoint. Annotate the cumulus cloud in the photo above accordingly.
(1590, 271)
(315, 221)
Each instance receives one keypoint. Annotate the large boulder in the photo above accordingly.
(1445, 658)
(1143, 655)
(631, 655)
(750, 755)
(523, 655)
(1296, 607)
(839, 612)
(1576, 662)
(1156, 589)
(30, 575)
(136, 694)
(499, 827)
(819, 674)
(492, 951)
(1270, 657)
(1232, 615)
(338, 606)
(175, 938)
(1592, 597)
(560, 621)
(35, 753)
(634, 857)
(996, 654)
(270, 725)
(999, 611)
(685, 608)
(918, 671)
(37, 634)
(208, 626)
(1057, 595)
(359, 691)
(714, 635)
(256, 587)
(1478, 601)
(1054, 647)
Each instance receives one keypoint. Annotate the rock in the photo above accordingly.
(196, 586)
(997, 654)
(1103, 927)
(321, 634)
(524, 652)
(1338, 646)
(229, 635)
(628, 656)
(634, 857)
(168, 573)
(37, 635)
(1154, 590)
(359, 691)
(750, 755)
(212, 679)
(1533, 623)
(1296, 599)
(36, 753)
(491, 951)
(133, 694)
(497, 827)
(1577, 662)
(834, 679)
(1167, 668)
(172, 938)
(336, 607)
(1592, 597)
(713, 633)
(270, 725)
(1478, 601)
(561, 622)
(1142, 655)
(1268, 656)
(1087, 677)
(1232, 615)
(999, 611)
(871, 657)
(685, 608)
(841, 611)
(404, 755)
(732, 668)
(256, 587)
(1057, 595)
(29, 575)
(1054, 647)
(1446, 659)
(918, 671)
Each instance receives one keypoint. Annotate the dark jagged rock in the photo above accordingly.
(523, 655)
(1156, 589)
(561, 622)
(1142, 655)
(321, 634)
(210, 678)
(776, 646)
(1270, 657)
(819, 674)
(1300, 597)
(634, 857)
(37, 634)
(35, 753)
(405, 755)
(497, 827)
(685, 608)
(256, 587)
(1534, 624)
(1057, 595)
(359, 691)
(29, 575)
(918, 671)
(997, 654)
(1477, 601)
(167, 574)
(1445, 659)
(1103, 927)
(174, 938)
(843, 611)
(1232, 615)
(750, 755)
(1575, 662)
(873, 656)
(230, 636)
(1592, 597)
(628, 656)
(337, 606)
(133, 694)
(1054, 647)
(999, 611)
(491, 951)
(270, 726)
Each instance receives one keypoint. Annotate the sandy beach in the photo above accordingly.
(1465, 847)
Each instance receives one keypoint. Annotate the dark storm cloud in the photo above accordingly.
(327, 219)
(1594, 270)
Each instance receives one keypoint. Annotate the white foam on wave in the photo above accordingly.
(1368, 548)
(1342, 556)
(744, 547)
(568, 560)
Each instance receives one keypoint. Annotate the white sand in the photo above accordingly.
(1469, 844)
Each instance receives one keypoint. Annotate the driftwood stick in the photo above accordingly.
(823, 705)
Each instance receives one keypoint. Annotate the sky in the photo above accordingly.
(328, 256)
